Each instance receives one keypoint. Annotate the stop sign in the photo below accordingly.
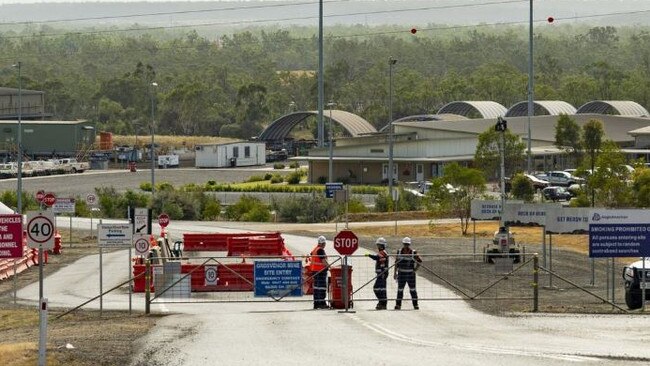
(49, 199)
(40, 195)
(346, 242)
(163, 220)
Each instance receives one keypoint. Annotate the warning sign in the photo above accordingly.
(11, 236)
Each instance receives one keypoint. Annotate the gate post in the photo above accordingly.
(147, 286)
(535, 283)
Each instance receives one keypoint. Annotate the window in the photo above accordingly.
(235, 151)
(247, 151)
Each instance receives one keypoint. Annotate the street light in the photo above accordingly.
(153, 162)
(19, 160)
(531, 82)
(391, 63)
(330, 175)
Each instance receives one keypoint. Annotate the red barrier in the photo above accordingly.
(238, 245)
(229, 277)
(197, 242)
(265, 246)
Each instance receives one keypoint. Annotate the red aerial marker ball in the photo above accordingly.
(550, 19)
(414, 30)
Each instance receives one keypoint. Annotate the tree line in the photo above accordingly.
(237, 84)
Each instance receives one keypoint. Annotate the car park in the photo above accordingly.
(556, 194)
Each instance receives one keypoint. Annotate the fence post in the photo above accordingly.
(535, 283)
(147, 286)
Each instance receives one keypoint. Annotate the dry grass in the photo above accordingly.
(169, 142)
(484, 229)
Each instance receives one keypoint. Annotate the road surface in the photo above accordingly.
(289, 333)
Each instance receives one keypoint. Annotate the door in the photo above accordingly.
(419, 172)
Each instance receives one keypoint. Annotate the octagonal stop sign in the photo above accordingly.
(346, 242)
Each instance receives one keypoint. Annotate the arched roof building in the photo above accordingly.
(616, 107)
(474, 109)
(351, 123)
(541, 108)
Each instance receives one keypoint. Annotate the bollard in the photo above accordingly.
(535, 283)
(147, 286)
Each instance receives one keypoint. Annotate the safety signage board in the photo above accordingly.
(40, 229)
(141, 244)
(278, 278)
(114, 235)
(527, 213)
(11, 236)
(211, 277)
(487, 209)
(141, 221)
(64, 205)
(567, 220)
(331, 187)
(619, 233)
(91, 199)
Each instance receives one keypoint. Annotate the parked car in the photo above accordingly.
(537, 183)
(562, 178)
(633, 277)
(556, 194)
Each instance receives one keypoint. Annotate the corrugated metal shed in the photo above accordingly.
(541, 108)
(47, 137)
(482, 108)
(619, 107)
(353, 124)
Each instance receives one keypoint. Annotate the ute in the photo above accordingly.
(503, 246)
(633, 277)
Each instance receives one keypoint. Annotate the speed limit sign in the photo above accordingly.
(211, 276)
(40, 229)
(141, 244)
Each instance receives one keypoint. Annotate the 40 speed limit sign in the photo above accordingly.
(40, 229)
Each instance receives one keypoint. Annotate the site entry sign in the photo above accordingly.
(11, 236)
(278, 278)
(619, 233)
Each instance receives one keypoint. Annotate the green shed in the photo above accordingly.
(47, 138)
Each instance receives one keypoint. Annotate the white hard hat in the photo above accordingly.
(406, 240)
(321, 240)
(381, 241)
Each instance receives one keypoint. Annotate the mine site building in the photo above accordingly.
(233, 154)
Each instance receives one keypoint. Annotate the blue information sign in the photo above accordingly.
(619, 240)
(331, 187)
(278, 278)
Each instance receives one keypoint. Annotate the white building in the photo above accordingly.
(233, 154)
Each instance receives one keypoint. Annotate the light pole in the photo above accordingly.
(321, 83)
(330, 175)
(153, 162)
(531, 82)
(391, 63)
(19, 160)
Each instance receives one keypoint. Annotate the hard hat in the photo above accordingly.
(406, 240)
(381, 241)
(321, 240)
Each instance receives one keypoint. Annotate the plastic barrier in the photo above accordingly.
(57, 243)
(336, 287)
(265, 246)
(197, 242)
(307, 281)
(228, 277)
(237, 245)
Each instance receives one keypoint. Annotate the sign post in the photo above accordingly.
(346, 243)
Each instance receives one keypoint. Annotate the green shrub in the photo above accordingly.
(164, 186)
(145, 186)
(185, 205)
(356, 206)
(255, 178)
(294, 165)
(277, 178)
(268, 176)
(315, 208)
(248, 208)
(522, 188)
(408, 201)
(294, 177)
(383, 203)
(211, 210)
(278, 166)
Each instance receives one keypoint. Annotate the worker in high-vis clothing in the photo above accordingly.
(406, 264)
(318, 265)
(381, 273)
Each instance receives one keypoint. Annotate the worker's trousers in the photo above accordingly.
(380, 288)
(404, 278)
(320, 288)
